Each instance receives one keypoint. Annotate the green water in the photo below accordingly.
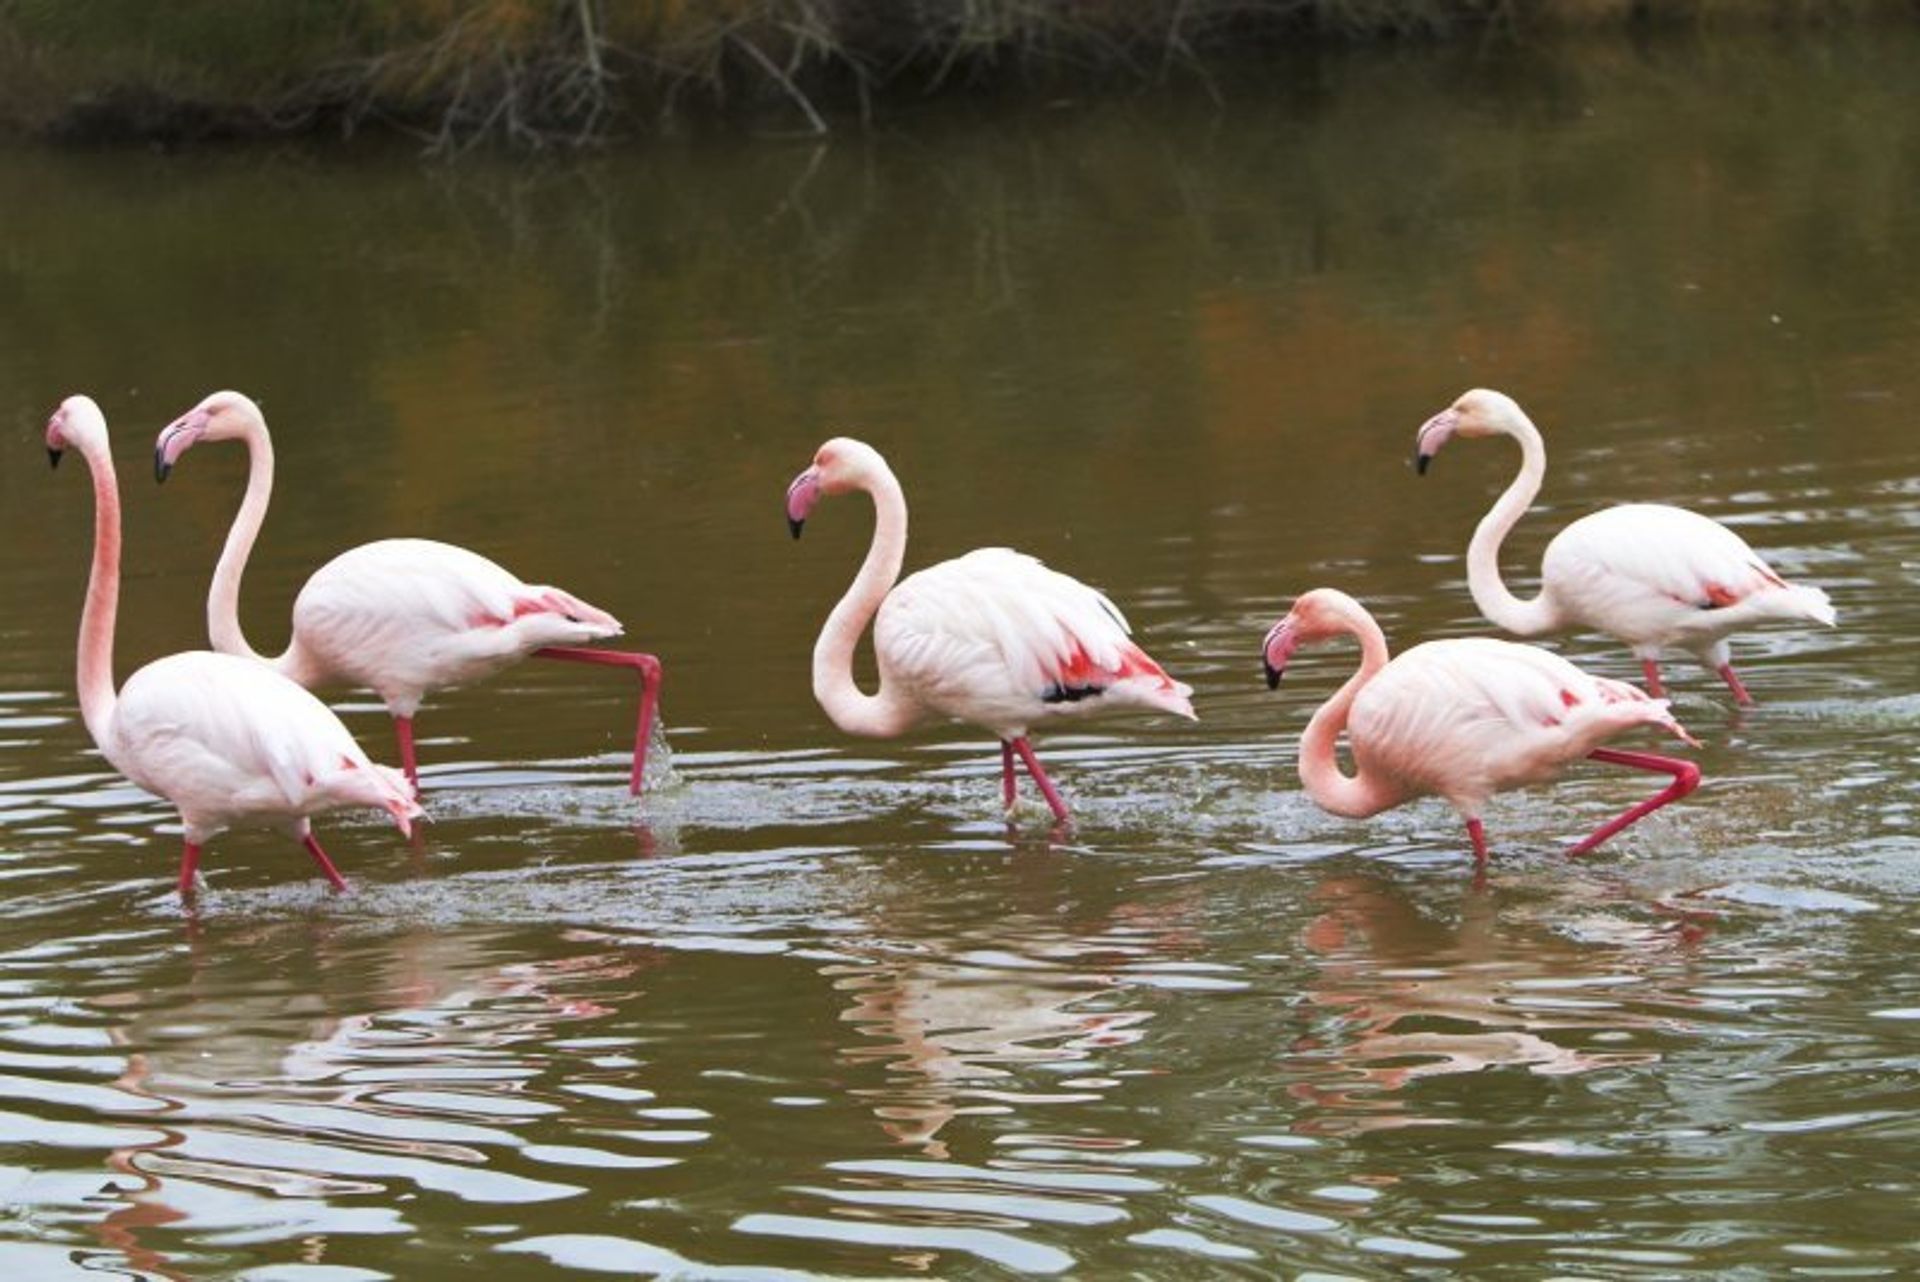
(812, 1008)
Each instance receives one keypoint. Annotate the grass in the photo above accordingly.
(547, 73)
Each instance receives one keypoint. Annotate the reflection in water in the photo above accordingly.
(273, 1137)
(954, 1031)
(1408, 998)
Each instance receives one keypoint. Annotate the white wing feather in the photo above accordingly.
(997, 638)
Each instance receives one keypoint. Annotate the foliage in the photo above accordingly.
(546, 72)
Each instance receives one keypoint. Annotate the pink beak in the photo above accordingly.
(1282, 640)
(176, 438)
(801, 496)
(1434, 433)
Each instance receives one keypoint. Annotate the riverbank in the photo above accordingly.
(566, 73)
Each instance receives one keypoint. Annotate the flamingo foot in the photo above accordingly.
(648, 666)
(1009, 794)
(189, 869)
(1650, 668)
(1732, 678)
(1039, 776)
(1686, 777)
(327, 869)
(403, 732)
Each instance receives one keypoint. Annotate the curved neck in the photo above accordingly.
(94, 667)
(1501, 607)
(223, 598)
(852, 710)
(1355, 795)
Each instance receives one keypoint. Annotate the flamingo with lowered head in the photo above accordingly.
(1649, 574)
(993, 638)
(227, 741)
(399, 616)
(1461, 719)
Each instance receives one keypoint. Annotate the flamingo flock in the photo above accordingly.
(233, 737)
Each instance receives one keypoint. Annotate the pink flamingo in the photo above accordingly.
(399, 616)
(1649, 574)
(993, 638)
(1462, 720)
(227, 741)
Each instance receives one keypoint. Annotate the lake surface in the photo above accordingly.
(812, 1008)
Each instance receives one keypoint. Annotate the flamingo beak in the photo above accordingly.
(56, 440)
(801, 496)
(176, 438)
(1434, 433)
(1282, 640)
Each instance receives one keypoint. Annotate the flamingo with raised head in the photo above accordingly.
(399, 616)
(1648, 574)
(1461, 719)
(993, 638)
(227, 741)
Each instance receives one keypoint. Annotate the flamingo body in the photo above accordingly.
(403, 617)
(1460, 719)
(1650, 575)
(233, 744)
(1465, 719)
(1659, 577)
(996, 639)
(993, 638)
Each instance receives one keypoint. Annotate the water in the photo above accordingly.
(812, 1008)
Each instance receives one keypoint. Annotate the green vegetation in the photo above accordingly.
(564, 72)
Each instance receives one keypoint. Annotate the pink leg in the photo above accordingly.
(1008, 793)
(189, 865)
(648, 667)
(1478, 831)
(403, 731)
(1732, 678)
(327, 869)
(1686, 777)
(1651, 667)
(1047, 790)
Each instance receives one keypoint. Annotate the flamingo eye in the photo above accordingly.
(572, 618)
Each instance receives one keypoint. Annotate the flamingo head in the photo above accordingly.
(223, 416)
(1316, 616)
(838, 466)
(1480, 412)
(78, 424)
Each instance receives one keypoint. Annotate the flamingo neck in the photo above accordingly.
(1356, 795)
(1501, 607)
(223, 599)
(94, 668)
(882, 714)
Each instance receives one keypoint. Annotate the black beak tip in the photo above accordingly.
(161, 468)
(1420, 462)
(53, 457)
(1273, 675)
(795, 527)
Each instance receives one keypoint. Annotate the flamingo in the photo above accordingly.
(1461, 719)
(1648, 574)
(993, 638)
(228, 742)
(399, 616)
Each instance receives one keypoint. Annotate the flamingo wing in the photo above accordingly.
(997, 638)
(1641, 550)
(409, 615)
(227, 737)
(1469, 717)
